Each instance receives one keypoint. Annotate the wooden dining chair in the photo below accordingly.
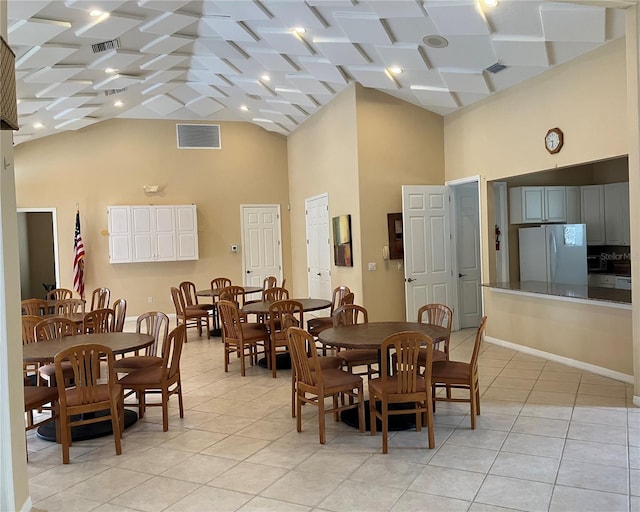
(100, 298)
(319, 324)
(89, 393)
(314, 384)
(39, 398)
(30, 370)
(436, 314)
(189, 317)
(59, 294)
(351, 314)
(98, 320)
(460, 375)
(277, 335)
(240, 337)
(156, 324)
(54, 328)
(69, 307)
(401, 383)
(119, 314)
(220, 282)
(34, 307)
(191, 299)
(163, 379)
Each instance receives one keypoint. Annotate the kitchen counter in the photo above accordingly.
(566, 291)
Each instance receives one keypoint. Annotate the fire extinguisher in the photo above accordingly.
(498, 233)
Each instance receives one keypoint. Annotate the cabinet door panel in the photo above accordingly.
(119, 234)
(533, 204)
(142, 233)
(555, 204)
(592, 212)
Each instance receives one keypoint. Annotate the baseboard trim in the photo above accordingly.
(598, 370)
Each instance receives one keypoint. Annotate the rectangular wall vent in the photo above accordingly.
(198, 136)
(114, 44)
(496, 68)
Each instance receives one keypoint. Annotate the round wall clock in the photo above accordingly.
(553, 140)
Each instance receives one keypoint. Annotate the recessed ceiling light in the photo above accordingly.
(265, 77)
(435, 41)
(118, 103)
(396, 70)
(490, 3)
(37, 126)
(110, 71)
(95, 13)
(300, 30)
(244, 108)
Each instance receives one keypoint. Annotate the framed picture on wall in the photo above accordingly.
(342, 241)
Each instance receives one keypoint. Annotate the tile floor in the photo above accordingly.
(550, 437)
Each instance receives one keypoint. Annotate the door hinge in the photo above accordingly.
(307, 241)
(306, 212)
(308, 269)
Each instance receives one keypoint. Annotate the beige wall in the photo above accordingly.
(503, 136)
(323, 158)
(398, 144)
(108, 164)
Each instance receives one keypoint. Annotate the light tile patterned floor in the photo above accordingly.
(550, 437)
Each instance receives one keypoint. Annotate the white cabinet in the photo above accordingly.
(537, 204)
(572, 195)
(616, 213)
(592, 213)
(144, 233)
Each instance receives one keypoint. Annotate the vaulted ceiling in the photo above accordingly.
(276, 62)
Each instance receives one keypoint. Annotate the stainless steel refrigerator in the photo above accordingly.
(555, 253)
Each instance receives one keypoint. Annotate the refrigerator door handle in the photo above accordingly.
(553, 255)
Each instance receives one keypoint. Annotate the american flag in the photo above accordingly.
(78, 259)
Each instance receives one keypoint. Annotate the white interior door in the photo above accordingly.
(427, 239)
(467, 243)
(318, 246)
(262, 244)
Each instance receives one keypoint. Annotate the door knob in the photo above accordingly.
(248, 271)
(462, 275)
(410, 280)
(318, 274)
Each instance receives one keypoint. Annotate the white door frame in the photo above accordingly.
(454, 248)
(54, 221)
(242, 208)
(502, 219)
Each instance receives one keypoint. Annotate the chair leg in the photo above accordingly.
(385, 426)
(321, 420)
(226, 357)
(65, 434)
(165, 410)
(429, 422)
(115, 426)
(372, 414)
(361, 421)
(241, 356)
(299, 410)
(293, 392)
(180, 401)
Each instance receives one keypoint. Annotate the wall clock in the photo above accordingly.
(553, 140)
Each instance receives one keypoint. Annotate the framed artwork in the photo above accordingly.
(342, 241)
(394, 225)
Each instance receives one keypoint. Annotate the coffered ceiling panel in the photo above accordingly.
(205, 59)
(36, 31)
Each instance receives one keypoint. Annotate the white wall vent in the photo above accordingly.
(198, 136)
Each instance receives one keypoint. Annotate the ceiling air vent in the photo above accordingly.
(114, 44)
(198, 136)
(496, 68)
(111, 92)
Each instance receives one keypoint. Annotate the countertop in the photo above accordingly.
(566, 290)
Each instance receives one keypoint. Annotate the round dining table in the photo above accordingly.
(370, 336)
(45, 352)
(214, 293)
(283, 361)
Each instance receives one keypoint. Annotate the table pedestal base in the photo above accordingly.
(89, 431)
(396, 422)
(283, 362)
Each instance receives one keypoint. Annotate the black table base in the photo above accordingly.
(283, 362)
(215, 332)
(89, 431)
(396, 422)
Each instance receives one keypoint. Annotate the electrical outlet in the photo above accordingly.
(400, 265)
(149, 299)
(373, 266)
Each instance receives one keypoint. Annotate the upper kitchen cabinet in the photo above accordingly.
(616, 213)
(592, 213)
(535, 205)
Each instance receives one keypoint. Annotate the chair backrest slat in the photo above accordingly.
(350, 314)
(406, 346)
(436, 314)
(298, 340)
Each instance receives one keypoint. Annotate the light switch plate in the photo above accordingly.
(373, 266)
